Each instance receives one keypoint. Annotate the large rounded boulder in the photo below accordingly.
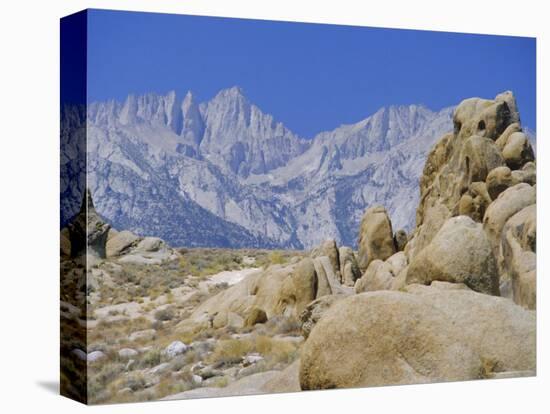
(459, 253)
(518, 150)
(508, 203)
(429, 335)
(120, 243)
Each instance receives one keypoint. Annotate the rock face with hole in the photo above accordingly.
(459, 253)
(427, 335)
(375, 237)
(459, 161)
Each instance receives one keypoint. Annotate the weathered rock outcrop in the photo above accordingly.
(88, 232)
(279, 290)
(378, 276)
(329, 249)
(459, 161)
(474, 201)
(519, 259)
(426, 335)
(527, 174)
(120, 242)
(300, 288)
(484, 170)
(517, 150)
(400, 239)
(375, 237)
(505, 206)
(498, 180)
(459, 253)
(349, 268)
(382, 275)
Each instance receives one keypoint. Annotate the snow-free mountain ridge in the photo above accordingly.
(223, 173)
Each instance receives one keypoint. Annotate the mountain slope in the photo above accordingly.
(224, 173)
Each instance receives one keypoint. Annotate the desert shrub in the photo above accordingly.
(219, 382)
(230, 351)
(150, 359)
(136, 382)
(275, 350)
(165, 314)
(168, 386)
(275, 257)
(99, 379)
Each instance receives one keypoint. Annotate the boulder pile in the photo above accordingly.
(455, 299)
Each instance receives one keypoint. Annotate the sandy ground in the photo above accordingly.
(231, 277)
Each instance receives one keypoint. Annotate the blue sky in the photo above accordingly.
(311, 77)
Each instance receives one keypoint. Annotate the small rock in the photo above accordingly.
(196, 379)
(150, 244)
(209, 372)
(251, 359)
(517, 150)
(159, 369)
(145, 335)
(95, 356)
(175, 348)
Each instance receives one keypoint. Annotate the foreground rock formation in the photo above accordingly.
(425, 334)
(433, 314)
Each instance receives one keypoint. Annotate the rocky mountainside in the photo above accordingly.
(223, 173)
